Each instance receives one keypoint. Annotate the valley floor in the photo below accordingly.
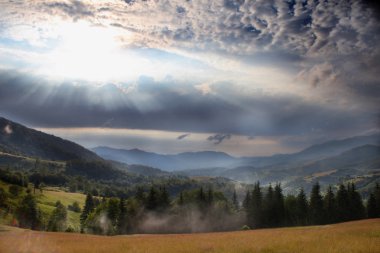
(358, 236)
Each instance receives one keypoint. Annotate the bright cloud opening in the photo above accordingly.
(91, 53)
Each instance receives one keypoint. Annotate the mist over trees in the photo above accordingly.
(202, 209)
(154, 211)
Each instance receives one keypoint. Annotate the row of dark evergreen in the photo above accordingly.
(125, 215)
(262, 207)
(270, 208)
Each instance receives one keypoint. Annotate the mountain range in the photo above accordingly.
(21, 146)
(356, 159)
(211, 159)
(20, 140)
(188, 160)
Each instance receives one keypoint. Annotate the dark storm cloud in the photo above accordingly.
(219, 138)
(161, 106)
(73, 8)
(183, 136)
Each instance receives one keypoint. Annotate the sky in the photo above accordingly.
(249, 78)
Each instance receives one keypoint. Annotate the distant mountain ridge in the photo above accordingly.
(18, 139)
(18, 143)
(187, 160)
(211, 159)
(360, 164)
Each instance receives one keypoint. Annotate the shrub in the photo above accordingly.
(75, 207)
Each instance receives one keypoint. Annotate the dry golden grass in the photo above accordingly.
(359, 236)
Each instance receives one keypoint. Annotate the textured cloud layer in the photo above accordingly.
(328, 42)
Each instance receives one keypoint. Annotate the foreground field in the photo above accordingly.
(359, 236)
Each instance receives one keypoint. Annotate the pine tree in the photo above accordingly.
(377, 198)
(316, 205)
(152, 200)
(302, 208)
(278, 205)
(140, 196)
(357, 210)
(329, 204)
(343, 207)
(256, 207)
(269, 212)
(371, 207)
(28, 214)
(113, 211)
(235, 201)
(247, 204)
(122, 222)
(247, 201)
(164, 200)
(290, 204)
(87, 209)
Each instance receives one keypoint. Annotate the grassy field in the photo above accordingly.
(359, 236)
(47, 199)
(46, 202)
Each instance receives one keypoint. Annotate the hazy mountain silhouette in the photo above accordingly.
(188, 160)
(18, 139)
(210, 159)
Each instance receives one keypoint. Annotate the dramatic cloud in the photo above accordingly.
(305, 69)
(74, 9)
(173, 106)
(338, 39)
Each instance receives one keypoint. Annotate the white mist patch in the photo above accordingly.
(99, 224)
(8, 129)
(191, 219)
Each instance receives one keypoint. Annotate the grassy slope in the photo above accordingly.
(46, 202)
(359, 236)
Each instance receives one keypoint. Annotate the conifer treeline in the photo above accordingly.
(262, 207)
(270, 208)
(121, 215)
